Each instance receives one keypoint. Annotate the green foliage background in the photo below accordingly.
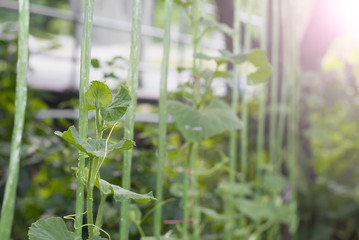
(328, 190)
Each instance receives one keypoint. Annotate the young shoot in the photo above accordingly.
(109, 110)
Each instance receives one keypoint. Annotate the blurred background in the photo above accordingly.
(326, 43)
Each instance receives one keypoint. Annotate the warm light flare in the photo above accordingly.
(347, 13)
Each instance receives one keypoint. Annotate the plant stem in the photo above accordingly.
(132, 82)
(98, 124)
(99, 216)
(262, 112)
(195, 22)
(262, 103)
(286, 75)
(293, 117)
(274, 85)
(195, 18)
(186, 186)
(8, 205)
(83, 114)
(162, 146)
(245, 110)
(90, 187)
(197, 15)
(244, 130)
(233, 134)
(195, 194)
(273, 134)
(140, 230)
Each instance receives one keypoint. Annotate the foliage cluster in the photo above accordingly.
(329, 193)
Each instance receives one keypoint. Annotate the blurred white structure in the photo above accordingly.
(58, 69)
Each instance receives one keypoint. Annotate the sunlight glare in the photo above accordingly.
(347, 13)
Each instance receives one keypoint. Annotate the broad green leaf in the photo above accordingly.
(274, 183)
(51, 229)
(73, 137)
(198, 125)
(104, 186)
(251, 209)
(259, 59)
(94, 147)
(99, 146)
(241, 189)
(265, 211)
(98, 96)
(120, 194)
(118, 107)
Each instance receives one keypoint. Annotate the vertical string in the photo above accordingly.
(262, 98)
(244, 131)
(274, 86)
(83, 109)
(8, 205)
(132, 82)
(233, 134)
(162, 146)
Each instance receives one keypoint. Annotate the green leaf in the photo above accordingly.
(183, 3)
(266, 211)
(99, 146)
(120, 194)
(212, 24)
(198, 125)
(94, 147)
(51, 229)
(118, 107)
(203, 56)
(224, 58)
(259, 59)
(251, 209)
(213, 214)
(240, 189)
(73, 137)
(220, 74)
(275, 183)
(98, 96)
(238, 58)
(180, 69)
(95, 63)
(234, 58)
